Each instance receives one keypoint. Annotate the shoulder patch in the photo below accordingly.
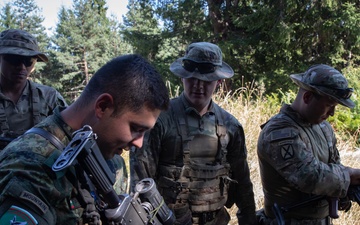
(35, 200)
(18, 216)
(287, 152)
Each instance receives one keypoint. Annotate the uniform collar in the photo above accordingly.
(189, 108)
(287, 110)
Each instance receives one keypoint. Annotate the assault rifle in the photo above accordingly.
(353, 194)
(145, 206)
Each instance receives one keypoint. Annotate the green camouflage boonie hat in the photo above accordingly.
(19, 42)
(202, 55)
(326, 81)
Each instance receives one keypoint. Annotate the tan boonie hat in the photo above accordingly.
(202, 60)
(326, 81)
(19, 42)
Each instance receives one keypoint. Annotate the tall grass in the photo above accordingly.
(252, 109)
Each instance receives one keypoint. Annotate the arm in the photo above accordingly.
(237, 157)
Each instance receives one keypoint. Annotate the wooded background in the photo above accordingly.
(264, 41)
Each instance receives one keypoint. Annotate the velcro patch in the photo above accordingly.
(35, 200)
(286, 133)
(18, 216)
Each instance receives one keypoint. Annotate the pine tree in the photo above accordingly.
(84, 40)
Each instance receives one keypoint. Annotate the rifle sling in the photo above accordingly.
(47, 135)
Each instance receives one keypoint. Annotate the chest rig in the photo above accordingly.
(199, 184)
(35, 106)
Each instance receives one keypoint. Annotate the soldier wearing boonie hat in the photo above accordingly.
(20, 42)
(202, 60)
(195, 145)
(325, 80)
(298, 157)
(23, 103)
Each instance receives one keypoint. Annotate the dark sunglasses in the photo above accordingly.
(191, 66)
(16, 60)
(344, 93)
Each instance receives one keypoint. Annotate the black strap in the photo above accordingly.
(47, 135)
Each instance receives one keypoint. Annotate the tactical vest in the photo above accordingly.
(35, 106)
(201, 185)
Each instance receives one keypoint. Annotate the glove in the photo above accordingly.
(344, 204)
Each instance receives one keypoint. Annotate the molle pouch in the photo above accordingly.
(182, 214)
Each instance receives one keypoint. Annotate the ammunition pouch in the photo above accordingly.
(206, 192)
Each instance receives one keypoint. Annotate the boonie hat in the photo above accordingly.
(19, 42)
(326, 81)
(202, 60)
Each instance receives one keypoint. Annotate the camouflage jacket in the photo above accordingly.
(298, 160)
(163, 148)
(28, 186)
(35, 104)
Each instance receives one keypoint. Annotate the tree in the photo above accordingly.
(84, 40)
(7, 17)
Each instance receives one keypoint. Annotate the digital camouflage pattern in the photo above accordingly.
(118, 167)
(16, 118)
(298, 160)
(27, 180)
(26, 168)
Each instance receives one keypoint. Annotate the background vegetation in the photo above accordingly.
(263, 40)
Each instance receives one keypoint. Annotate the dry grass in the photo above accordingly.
(251, 109)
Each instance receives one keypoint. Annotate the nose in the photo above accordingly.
(332, 111)
(198, 83)
(138, 141)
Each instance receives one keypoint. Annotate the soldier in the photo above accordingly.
(297, 151)
(122, 100)
(23, 103)
(196, 149)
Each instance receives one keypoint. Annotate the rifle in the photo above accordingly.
(145, 206)
(280, 210)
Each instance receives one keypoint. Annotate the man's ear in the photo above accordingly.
(104, 104)
(308, 96)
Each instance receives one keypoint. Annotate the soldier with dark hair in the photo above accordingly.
(122, 100)
(196, 152)
(297, 152)
(23, 103)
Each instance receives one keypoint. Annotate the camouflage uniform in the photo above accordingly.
(299, 160)
(26, 171)
(28, 182)
(36, 103)
(118, 167)
(193, 170)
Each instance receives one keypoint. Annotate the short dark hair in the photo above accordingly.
(132, 81)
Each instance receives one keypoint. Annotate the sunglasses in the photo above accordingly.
(16, 60)
(191, 66)
(344, 93)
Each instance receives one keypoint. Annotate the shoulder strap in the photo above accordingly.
(179, 113)
(47, 135)
(221, 133)
(35, 103)
(3, 119)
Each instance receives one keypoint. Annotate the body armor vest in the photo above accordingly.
(200, 181)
